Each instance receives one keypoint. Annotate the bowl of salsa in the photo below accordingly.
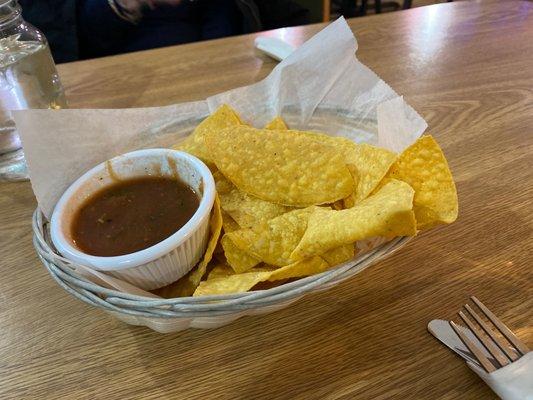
(142, 217)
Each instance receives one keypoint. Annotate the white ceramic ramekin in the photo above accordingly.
(164, 262)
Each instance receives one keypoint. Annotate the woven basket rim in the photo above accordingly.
(62, 271)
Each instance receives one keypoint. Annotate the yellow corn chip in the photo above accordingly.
(220, 271)
(228, 223)
(248, 211)
(223, 185)
(340, 143)
(280, 167)
(188, 145)
(339, 255)
(187, 285)
(215, 226)
(276, 124)
(309, 266)
(221, 280)
(387, 213)
(239, 260)
(423, 166)
(274, 241)
(349, 201)
(194, 144)
(231, 284)
(372, 164)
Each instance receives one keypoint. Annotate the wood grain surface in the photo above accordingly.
(467, 68)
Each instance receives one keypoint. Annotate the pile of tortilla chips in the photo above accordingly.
(295, 203)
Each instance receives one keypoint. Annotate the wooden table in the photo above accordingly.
(467, 68)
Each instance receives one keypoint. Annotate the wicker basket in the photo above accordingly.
(170, 315)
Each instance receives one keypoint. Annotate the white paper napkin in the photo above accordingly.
(512, 382)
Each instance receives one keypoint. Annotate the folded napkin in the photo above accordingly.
(512, 382)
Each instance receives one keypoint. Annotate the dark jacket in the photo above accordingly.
(78, 29)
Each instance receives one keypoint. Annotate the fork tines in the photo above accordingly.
(497, 347)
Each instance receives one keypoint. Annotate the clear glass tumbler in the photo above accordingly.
(28, 79)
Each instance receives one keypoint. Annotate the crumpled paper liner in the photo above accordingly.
(323, 74)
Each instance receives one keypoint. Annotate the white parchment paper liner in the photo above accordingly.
(323, 74)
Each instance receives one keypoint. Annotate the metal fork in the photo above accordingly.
(497, 347)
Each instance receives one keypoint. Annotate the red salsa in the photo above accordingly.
(132, 215)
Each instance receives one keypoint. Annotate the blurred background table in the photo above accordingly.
(466, 67)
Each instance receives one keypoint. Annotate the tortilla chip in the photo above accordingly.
(222, 281)
(194, 144)
(248, 211)
(387, 213)
(372, 164)
(423, 166)
(228, 223)
(220, 271)
(349, 201)
(274, 241)
(231, 284)
(187, 285)
(276, 124)
(280, 167)
(339, 255)
(309, 266)
(239, 260)
(341, 144)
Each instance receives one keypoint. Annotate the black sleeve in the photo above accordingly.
(57, 20)
(100, 30)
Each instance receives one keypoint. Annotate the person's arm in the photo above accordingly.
(104, 25)
(129, 10)
(100, 29)
(132, 10)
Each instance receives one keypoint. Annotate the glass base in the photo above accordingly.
(13, 167)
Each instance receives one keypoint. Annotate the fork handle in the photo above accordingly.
(512, 382)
